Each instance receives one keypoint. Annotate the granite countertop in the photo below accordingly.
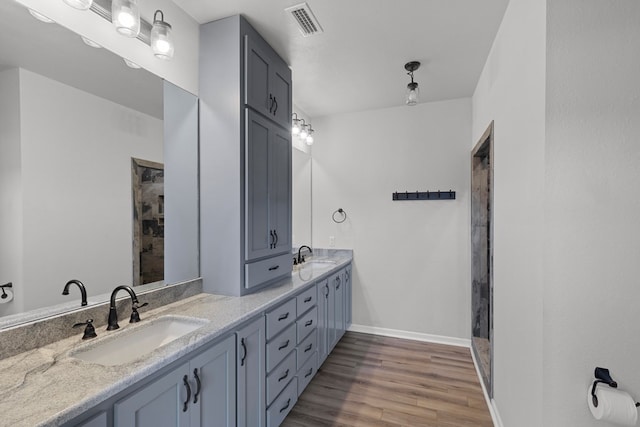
(47, 386)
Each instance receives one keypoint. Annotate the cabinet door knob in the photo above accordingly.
(273, 239)
(271, 100)
(185, 379)
(308, 323)
(308, 299)
(275, 233)
(275, 101)
(275, 267)
(283, 317)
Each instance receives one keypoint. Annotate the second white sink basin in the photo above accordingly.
(129, 345)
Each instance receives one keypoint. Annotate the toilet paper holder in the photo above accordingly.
(603, 377)
(4, 293)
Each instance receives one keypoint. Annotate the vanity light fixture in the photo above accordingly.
(161, 41)
(301, 129)
(79, 4)
(413, 92)
(125, 15)
(40, 17)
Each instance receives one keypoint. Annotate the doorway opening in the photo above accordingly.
(147, 181)
(482, 256)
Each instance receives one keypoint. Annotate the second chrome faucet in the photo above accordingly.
(113, 313)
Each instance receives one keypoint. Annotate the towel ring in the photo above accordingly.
(341, 212)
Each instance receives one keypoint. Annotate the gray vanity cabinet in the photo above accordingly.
(200, 392)
(337, 309)
(268, 81)
(268, 188)
(251, 405)
(348, 297)
(245, 159)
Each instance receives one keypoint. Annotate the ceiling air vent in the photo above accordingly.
(305, 19)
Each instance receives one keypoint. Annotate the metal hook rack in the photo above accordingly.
(341, 212)
(424, 195)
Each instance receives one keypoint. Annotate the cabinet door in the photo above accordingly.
(323, 319)
(213, 374)
(159, 404)
(259, 238)
(348, 297)
(251, 374)
(257, 72)
(339, 311)
(280, 189)
(280, 86)
(331, 313)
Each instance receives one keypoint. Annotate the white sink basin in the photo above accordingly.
(129, 345)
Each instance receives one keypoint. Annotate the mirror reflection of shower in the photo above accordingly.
(148, 221)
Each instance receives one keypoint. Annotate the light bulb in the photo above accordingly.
(161, 41)
(295, 129)
(79, 4)
(126, 17)
(413, 94)
(309, 139)
(303, 133)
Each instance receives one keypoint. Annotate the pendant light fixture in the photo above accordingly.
(413, 92)
(79, 4)
(301, 129)
(161, 41)
(125, 15)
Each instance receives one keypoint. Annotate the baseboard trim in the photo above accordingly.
(416, 336)
(491, 403)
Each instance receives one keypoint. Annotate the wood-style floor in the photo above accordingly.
(370, 380)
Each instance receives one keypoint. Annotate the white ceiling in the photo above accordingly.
(358, 62)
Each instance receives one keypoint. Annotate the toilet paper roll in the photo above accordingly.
(615, 406)
(8, 297)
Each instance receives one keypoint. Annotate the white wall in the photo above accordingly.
(511, 92)
(76, 174)
(301, 197)
(592, 215)
(181, 70)
(10, 188)
(411, 259)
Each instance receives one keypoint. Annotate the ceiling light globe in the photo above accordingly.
(79, 4)
(413, 94)
(161, 40)
(126, 17)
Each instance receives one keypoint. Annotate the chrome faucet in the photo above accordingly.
(113, 314)
(83, 291)
(301, 257)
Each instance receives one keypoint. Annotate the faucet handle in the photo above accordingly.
(135, 316)
(89, 330)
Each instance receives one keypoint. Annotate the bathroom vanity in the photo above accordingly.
(244, 361)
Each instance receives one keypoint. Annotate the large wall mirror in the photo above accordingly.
(301, 173)
(75, 123)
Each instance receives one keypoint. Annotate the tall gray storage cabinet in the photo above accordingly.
(245, 159)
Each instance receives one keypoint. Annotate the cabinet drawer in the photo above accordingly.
(282, 405)
(281, 376)
(306, 300)
(259, 272)
(280, 346)
(307, 323)
(280, 318)
(306, 373)
(306, 348)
